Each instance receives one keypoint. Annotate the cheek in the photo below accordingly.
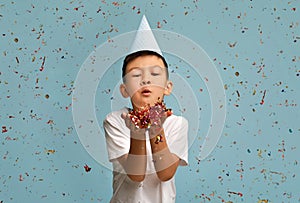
(158, 91)
(159, 82)
(132, 88)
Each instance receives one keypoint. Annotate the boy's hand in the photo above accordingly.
(157, 126)
(136, 133)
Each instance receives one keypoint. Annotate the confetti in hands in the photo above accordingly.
(149, 115)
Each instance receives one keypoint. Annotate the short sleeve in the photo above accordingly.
(177, 137)
(117, 135)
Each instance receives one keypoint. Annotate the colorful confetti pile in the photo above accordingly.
(149, 115)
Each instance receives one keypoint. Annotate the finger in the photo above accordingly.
(127, 119)
(128, 122)
(164, 117)
(124, 115)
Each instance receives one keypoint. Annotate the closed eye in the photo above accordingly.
(156, 71)
(136, 75)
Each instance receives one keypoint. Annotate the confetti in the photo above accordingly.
(115, 3)
(282, 149)
(21, 177)
(4, 130)
(50, 151)
(50, 122)
(87, 168)
(240, 170)
(159, 25)
(263, 98)
(77, 8)
(158, 138)
(149, 115)
(43, 63)
(235, 193)
(263, 201)
(232, 45)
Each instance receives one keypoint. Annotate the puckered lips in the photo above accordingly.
(146, 91)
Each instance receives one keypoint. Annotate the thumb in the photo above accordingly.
(124, 115)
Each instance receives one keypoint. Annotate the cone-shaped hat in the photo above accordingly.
(144, 39)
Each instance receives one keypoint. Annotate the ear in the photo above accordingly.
(124, 91)
(168, 88)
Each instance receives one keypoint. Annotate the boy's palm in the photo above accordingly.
(138, 133)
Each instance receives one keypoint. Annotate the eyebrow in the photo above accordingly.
(134, 68)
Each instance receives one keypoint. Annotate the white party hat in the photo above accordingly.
(144, 39)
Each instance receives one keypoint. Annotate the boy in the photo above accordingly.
(145, 160)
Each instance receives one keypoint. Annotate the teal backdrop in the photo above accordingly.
(254, 45)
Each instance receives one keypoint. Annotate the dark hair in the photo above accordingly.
(134, 55)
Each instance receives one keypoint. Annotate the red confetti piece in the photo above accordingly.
(4, 130)
(87, 168)
(67, 107)
(116, 3)
(158, 25)
(50, 122)
(263, 98)
(282, 150)
(43, 63)
(206, 197)
(21, 177)
(77, 8)
(236, 193)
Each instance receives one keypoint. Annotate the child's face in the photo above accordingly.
(145, 81)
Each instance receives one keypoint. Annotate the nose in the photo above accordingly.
(145, 78)
(144, 82)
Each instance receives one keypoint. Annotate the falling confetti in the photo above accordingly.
(43, 63)
(87, 168)
(263, 98)
(50, 151)
(235, 193)
(21, 177)
(263, 201)
(4, 130)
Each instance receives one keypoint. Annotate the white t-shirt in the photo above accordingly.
(151, 189)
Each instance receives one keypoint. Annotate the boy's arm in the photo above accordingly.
(135, 162)
(165, 162)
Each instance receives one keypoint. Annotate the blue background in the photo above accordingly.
(255, 46)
